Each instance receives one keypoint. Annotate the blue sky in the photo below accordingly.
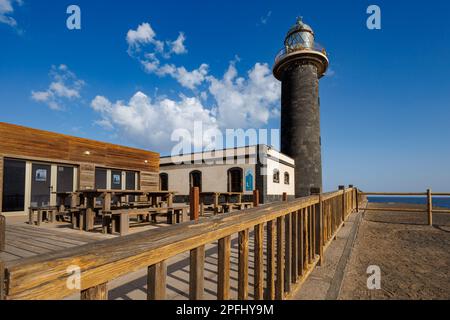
(384, 105)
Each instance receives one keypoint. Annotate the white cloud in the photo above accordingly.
(232, 102)
(177, 46)
(64, 86)
(7, 9)
(145, 36)
(188, 79)
(265, 19)
(191, 79)
(244, 103)
(151, 123)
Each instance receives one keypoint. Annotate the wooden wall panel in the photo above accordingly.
(149, 181)
(86, 175)
(27, 142)
(1, 183)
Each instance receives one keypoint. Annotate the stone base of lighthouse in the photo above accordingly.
(300, 124)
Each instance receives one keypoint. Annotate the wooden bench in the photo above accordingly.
(43, 214)
(173, 214)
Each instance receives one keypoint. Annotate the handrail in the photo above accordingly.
(285, 51)
(429, 196)
(46, 276)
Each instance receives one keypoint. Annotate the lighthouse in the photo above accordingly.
(299, 66)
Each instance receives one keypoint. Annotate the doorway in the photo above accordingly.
(40, 185)
(235, 180)
(195, 178)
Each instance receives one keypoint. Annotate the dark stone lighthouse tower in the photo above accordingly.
(299, 66)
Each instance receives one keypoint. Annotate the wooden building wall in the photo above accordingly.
(27, 143)
(1, 182)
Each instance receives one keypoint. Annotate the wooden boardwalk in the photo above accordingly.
(23, 241)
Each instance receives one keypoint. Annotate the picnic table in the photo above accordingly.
(63, 196)
(120, 218)
(225, 206)
(152, 197)
(86, 216)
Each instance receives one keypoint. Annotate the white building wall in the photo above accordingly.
(214, 177)
(280, 188)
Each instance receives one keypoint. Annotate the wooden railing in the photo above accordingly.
(429, 203)
(296, 235)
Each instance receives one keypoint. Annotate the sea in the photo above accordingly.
(443, 202)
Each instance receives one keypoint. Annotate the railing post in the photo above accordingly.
(243, 265)
(196, 272)
(357, 199)
(301, 242)
(2, 233)
(194, 203)
(259, 262)
(270, 285)
(287, 252)
(279, 285)
(319, 224)
(156, 281)
(352, 200)
(223, 277)
(99, 292)
(343, 203)
(430, 207)
(255, 198)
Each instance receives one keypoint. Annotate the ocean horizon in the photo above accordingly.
(443, 202)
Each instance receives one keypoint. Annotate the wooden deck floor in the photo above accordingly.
(23, 241)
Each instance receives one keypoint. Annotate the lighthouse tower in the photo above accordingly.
(299, 66)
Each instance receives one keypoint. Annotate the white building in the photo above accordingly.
(231, 170)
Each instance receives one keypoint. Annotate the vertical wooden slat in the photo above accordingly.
(243, 265)
(306, 237)
(99, 292)
(196, 272)
(310, 232)
(156, 281)
(194, 203)
(259, 262)
(270, 293)
(287, 252)
(223, 280)
(357, 200)
(294, 247)
(279, 285)
(320, 242)
(2, 280)
(430, 207)
(2, 233)
(300, 242)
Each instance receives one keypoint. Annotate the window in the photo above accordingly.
(64, 182)
(13, 186)
(286, 178)
(164, 182)
(276, 176)
(195, 179)
(235, 180)
(100, 178)
(116, 180)
(130, 184)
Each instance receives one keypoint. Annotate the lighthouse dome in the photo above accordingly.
(299, 36)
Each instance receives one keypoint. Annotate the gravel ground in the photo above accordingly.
(414, 258)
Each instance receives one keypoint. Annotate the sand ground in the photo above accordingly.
(414, 258)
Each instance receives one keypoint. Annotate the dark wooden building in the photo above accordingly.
(35, 164)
